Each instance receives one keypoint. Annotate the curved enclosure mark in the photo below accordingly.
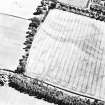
(12, 36)
(69, 51)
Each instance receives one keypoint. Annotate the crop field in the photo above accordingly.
(70, 53)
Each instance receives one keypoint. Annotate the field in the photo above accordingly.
(9, 96)
(79, 3)
(12, 36)
(69, 52)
